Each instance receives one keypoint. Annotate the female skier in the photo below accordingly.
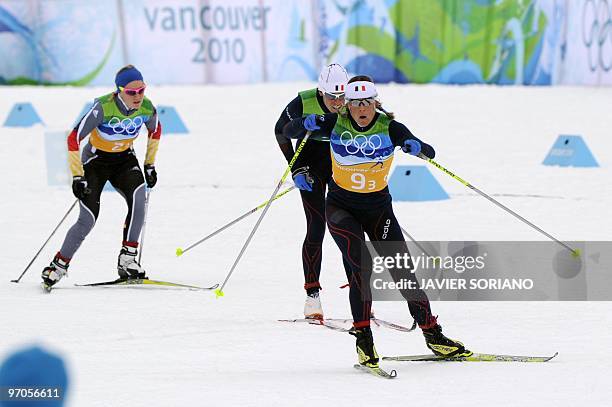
(362, 144)
(312, 172)
(112, 124)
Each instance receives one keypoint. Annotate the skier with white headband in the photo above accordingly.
(312, 172)
(362, 144)
(112, 124)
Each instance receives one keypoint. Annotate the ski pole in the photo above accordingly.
(144, 224)
(437, 262)
(421, 248)
(46, 241)
(575, 252)
(180, 251)
(219, 291)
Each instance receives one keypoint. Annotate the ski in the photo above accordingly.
(145, 281)
(327, 323)
(330, 325)
(475, 357)
(376, 371)
(377, 321)
(382, 322)
(392, 325)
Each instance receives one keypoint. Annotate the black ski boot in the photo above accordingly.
(443, 346)
(366, 352)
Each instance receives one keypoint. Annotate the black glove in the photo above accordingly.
(79, 187)
(150, 175)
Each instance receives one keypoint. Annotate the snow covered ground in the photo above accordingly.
(152, 347)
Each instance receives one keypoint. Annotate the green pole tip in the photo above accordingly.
(219, 293)
(576, 253)
(179, 252)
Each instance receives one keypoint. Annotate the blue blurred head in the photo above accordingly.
(37, 368)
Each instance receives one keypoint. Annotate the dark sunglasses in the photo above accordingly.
(132, 91)
(361, 102)
(333, 96)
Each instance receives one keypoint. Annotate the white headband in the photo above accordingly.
(360, 90)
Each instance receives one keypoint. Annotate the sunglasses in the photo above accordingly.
(132, 91)
(334, 96)
(361, 102)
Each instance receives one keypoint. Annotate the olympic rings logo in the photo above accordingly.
(597, 33)
(360, 143)
(126, 125)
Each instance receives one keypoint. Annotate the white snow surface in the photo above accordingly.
(155, 347)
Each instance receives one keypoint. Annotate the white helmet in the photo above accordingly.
(333, 79)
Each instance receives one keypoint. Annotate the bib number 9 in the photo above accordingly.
(360, 182)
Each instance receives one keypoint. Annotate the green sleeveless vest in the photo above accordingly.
(310, 105)
(116, 125)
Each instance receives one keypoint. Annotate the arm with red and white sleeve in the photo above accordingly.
(92, 119)
(155, 129)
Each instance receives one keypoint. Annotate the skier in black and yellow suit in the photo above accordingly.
(362, 144)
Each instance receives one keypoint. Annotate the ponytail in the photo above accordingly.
(343, 111)
(379, 106)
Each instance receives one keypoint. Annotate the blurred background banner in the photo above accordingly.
(59, 42)
(529, 42)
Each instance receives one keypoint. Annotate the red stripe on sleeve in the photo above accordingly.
(73, 141)
(156, 134)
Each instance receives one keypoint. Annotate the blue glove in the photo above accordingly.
(302, 179)
(310, 122)
(411, 147)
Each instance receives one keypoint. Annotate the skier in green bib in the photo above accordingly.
(362, 146)
(312, 172)
(112, 124)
